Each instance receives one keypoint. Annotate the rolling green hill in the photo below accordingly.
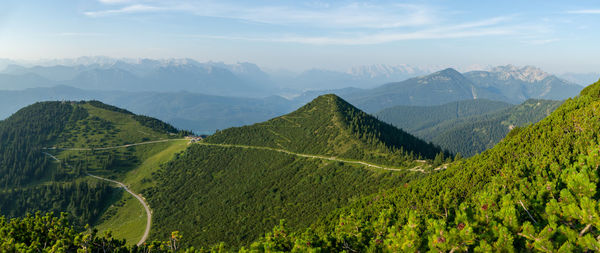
(467, 127)
(87, 137)
(534, 191)
(237, 184)
(330, 126)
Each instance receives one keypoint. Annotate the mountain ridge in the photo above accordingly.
(75, 133)
(507, 84)
(318, 122)
(300, 165)
(529, 192)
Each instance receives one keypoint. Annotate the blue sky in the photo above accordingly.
(559, 36)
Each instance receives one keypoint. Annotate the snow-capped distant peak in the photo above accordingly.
(383, 70)
(527, 74)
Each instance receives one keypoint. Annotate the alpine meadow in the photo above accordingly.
(299, 126)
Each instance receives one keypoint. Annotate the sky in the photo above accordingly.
(558, 36)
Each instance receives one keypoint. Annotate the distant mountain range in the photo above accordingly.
(519, 84)
(507, 83)
(242, 79)
(202, 112)
(248, 80)
(213, 78)
(367, 76)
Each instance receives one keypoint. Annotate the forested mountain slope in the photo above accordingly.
(473, 135)
(535, 190)
(414, 119)
(237, 184)
(328, 125)
(467, 127)
(24, 134)
(78, 134)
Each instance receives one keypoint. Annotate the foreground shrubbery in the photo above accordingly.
(49, 233)
(535, 191)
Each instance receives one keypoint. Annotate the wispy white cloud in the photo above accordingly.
(585, 11)
(363, 15)
(79, 34)
(481, 28)
(116, 1)
(354, 23)
(391, 37)
(136, 8)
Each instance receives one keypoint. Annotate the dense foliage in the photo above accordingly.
(84, 201)
(215, 194)
(30, 180)
(146, 121)
(48, 233)
(414, 119)
(155, 124)
(473, 135)
(330, 126)
(536, 190)
(24, 134)
(467, 127)
(108, 107)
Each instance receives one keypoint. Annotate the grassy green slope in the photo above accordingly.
(126, 217)
(108, 126)
(536, 189)
(232, 194)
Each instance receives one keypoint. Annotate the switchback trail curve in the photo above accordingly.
(138, 197)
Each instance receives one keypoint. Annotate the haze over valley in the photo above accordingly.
(299, 126)
(203, 97)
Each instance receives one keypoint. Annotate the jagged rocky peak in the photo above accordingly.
(527, 73)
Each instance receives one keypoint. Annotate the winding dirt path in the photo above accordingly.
(142, 201)
(330, 158)
(138, 197)
(418, 168)
(114, 147)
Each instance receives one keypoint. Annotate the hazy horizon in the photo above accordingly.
(428, 68)
(555, 36)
